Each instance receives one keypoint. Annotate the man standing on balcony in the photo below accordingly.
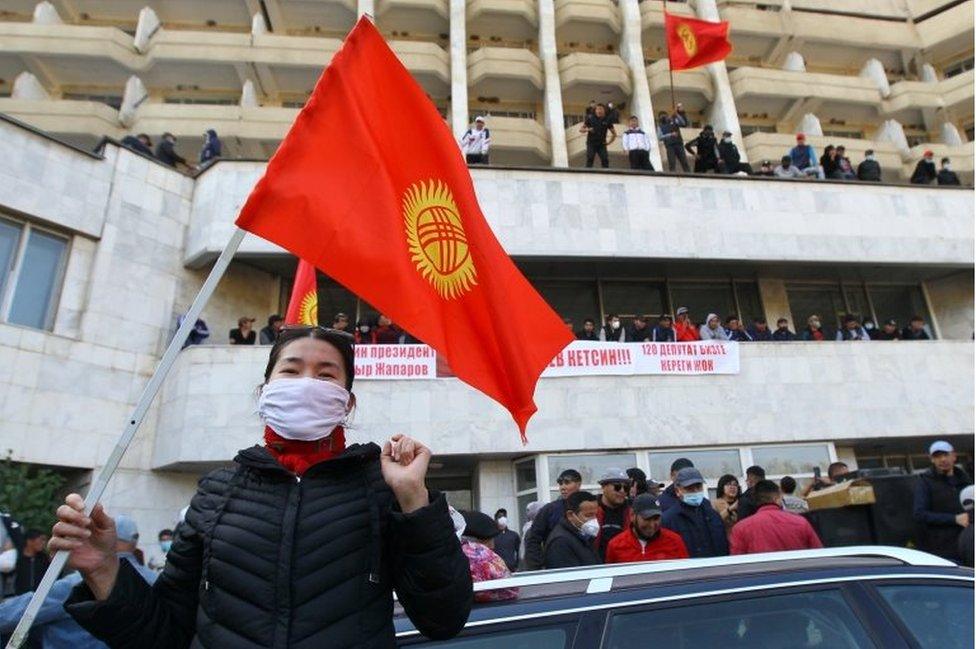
(669, 132)
(596, 126)
(638, 146)
(475, 142)
(684, 329)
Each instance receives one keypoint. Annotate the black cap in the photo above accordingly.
(571, 474)
(479, 525)
(645, 506)
(680, 463)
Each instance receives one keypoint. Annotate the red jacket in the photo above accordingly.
(771, 529)
(625, 548)
(686, 331)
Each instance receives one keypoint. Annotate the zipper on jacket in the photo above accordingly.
(286, 557)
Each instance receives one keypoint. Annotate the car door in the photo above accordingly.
(549, 632)
(821, 617)
(930, 613)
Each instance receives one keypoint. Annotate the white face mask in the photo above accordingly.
(590, 529)
(615, 324)
(304, 409)
(947, 167)
(503, 522)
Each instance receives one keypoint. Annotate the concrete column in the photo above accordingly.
(928, 73)
(135, 94)
(365, 7)
(249, 97)
(553, 94)
(794, 63)
(459, 69)
(776, 304)
(632, 52)
(874, 70)
(810, 124)
(147, 26)
(495, 489)
(950, 134)
(46, 14)
(891, 131)
(26, 86)
(722, 114)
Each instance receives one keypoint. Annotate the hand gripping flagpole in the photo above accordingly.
(97, 489)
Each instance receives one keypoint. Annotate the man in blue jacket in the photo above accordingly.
(804, 158)
(699, 525)
(53, 626)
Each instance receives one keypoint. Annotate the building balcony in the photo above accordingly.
(652, 26)
(773, 146)
(515, 20)
(415, 17)
(587, 24)
(693, 88)
(961, 156)
(915, 102)
(504, 72)
(841, 44)
(785, 96)
(518, 141)
(584, 76)
(888, 9)
(946, 35)
(757, 34)
(571, 214)
(429, 64)
(781, 394)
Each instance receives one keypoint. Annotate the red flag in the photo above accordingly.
(303, 307)
(693, 43)
(369, 186)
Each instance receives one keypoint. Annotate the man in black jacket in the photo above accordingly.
(705, 149)
(166, 151)
(638, 331)
(730, 157)
(869, 169)
(946, 175)
(547, 518)
(570, 544)
(747, 501)
(924, 172)
(589, 331)
(938, 513)
(915, 329)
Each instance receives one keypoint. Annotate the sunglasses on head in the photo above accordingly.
(328, 330)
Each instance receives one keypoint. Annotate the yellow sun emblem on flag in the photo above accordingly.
(308, 310)
(435, 236)
(688, 39)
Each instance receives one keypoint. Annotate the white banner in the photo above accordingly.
(584, 358)
(580, 358)
(395, 362)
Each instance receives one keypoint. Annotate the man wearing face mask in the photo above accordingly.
(684, 329)
(299, 543)
(157, 560)
(507, 542)
(570, 544)
(646, 540)
(698, 524)
(612, 332)
(869, 170)
(814, 331)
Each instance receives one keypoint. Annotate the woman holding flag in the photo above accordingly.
(300, 544)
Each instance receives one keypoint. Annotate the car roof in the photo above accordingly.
(592, 583)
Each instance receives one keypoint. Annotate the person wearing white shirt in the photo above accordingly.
(475, 142)
(638, 146)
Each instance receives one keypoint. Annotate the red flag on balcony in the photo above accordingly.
(693, 43)
(303, 306)
(369, 186)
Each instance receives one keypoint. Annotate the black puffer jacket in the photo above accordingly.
(266, 559)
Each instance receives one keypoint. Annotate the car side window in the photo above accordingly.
(938, 616)
(556, 637)
(814, 619)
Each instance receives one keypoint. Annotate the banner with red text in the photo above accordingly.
(583, 358)
(396, 362)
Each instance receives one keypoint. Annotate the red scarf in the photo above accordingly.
(297, 456)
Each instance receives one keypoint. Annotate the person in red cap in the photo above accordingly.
(805, 158)
(646, 540)
(924, 172)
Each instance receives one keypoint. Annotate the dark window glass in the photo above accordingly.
(857, 302)
(750, 304)
(824, 300)
(703, 298)
(39, 275)
(628, 299)
(940, 617)
(530, 638)
(818, 619)
(574, 300)
(333, 299)
(898, 302)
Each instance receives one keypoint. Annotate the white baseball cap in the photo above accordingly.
(940, 446)
(479, 118)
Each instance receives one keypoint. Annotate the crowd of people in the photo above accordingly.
(636, 518)
(372, 331)
(166, 153)
(711, 153)
(683, 329)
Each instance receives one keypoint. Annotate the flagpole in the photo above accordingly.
(667, 44)
(98, 487)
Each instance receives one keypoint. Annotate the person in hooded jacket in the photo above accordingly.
(211, 147)
(705, 149)
(299, 544)
(712, 329)
(730, 157)
(924, 172)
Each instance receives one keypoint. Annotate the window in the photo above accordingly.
(632, 298)
(824, 300)
(818, 619)
(703, 298)
(526, 488)
(527, 638)
(712, 464)
(31, 266)
(940, 617)
(750, 304)
(334, 298)
(574, 300)
(791, 460)
(898, 302)
(591, 467)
